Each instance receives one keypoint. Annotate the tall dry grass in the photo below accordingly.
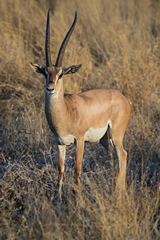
(118, 44)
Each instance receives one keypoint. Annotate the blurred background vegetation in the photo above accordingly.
(118, 44)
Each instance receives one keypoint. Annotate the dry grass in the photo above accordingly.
(118, 44)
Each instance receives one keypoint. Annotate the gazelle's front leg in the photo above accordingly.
(79, 156)
(62, 153)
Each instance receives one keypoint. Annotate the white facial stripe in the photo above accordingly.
(58, 74)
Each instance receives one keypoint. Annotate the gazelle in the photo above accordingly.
(86, 116)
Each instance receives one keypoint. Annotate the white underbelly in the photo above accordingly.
(92, 135)
(65, 140)
(95, 134)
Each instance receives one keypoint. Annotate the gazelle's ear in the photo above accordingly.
(71, 69)
(37, 68)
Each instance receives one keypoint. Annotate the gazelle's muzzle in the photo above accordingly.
(50, 87)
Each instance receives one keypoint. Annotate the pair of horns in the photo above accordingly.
(63, 46)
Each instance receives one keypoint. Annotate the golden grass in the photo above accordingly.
(118, 44)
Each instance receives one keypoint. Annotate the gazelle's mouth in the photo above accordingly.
(50, 90)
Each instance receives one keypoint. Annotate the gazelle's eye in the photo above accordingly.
(60, 76)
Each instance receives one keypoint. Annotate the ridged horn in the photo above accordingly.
(64, 43)
(47, 43)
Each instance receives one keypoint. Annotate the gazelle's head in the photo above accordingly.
(53, 73)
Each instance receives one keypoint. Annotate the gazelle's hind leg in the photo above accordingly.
(122, 157)
(117, 141)
(62, 153)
